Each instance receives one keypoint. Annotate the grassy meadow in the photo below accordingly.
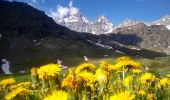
(109, 78)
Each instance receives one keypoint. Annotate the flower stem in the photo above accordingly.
(123, 73)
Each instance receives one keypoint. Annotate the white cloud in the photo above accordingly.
(62, 12)
(71, 3)
(74, 11)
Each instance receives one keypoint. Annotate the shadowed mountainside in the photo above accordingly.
(30, 38)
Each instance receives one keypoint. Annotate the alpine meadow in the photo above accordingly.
(84, 50)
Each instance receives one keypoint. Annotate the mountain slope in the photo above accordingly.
(23, 19)
(30, 38)
(128, 22)
(154, 37)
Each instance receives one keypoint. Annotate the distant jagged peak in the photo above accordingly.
(67, 14)
(164, 20)
(167, 16)
(75, 18)
(103, 19)
(128, 22)
(72, 18)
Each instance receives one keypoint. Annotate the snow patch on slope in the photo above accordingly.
(119, 51)
(168, 27)
(100, 45)
(104, 46)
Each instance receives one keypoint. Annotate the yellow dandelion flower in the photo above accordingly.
(106, 66)
(85, 67)
(123, 96)
(23, 84)
(136, 71)
(101, 76)
(123, 58)
(168, 75)
(33, 71)
(48, 70)
(163, 83)
(88, 77)
(127, 64)
(147, 78)
(150, 96)
(57, 95)
(70, 80)
(127, 81)
(15, 92)
(142, 92)
(7, 82)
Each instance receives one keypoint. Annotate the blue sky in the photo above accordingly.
(114, 10)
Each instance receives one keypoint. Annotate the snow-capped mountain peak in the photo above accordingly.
(165, 20)
(128, 22)
(105, 25)
(101, 19)
(72, 18)
(166, 17)
(84, 19)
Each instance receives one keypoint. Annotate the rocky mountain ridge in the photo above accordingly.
(28, 37)
(101, 25)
